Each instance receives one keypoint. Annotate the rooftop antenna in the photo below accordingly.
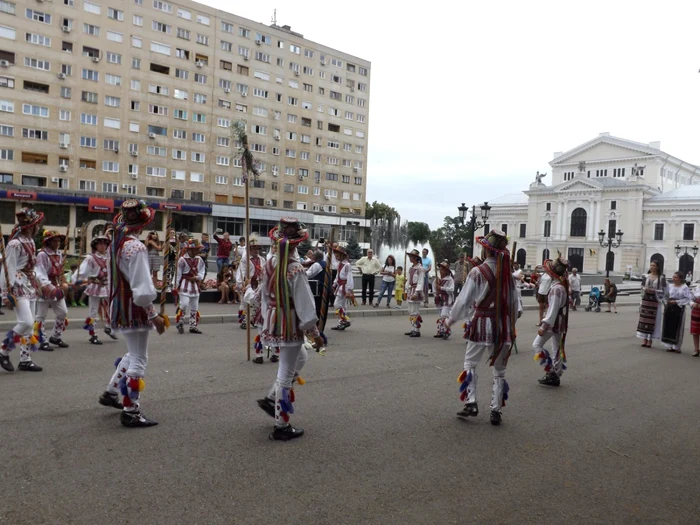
(274, 17)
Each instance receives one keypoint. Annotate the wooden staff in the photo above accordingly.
(10, 298)
(82, 245)
(166, 264)
(328, 275)
(515, 245)
(405, 273)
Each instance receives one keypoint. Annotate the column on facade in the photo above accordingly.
(563, 232)
(597, 221)
(557, 232)
(589, 224)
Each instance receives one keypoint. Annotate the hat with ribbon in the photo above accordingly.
(49, 235)
(340, 249)
(253, 241)
(192, 244)
(289, 230)
(495, 240)
(445, 266)
(28, 217)
(135, 214)
(556, 268)
(100, 237)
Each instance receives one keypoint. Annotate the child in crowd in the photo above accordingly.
(399, 289)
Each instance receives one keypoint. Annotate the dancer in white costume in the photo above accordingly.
(25, 284)
(131, 311)
(94, 269)
(554, 324)
(289, 313)
(444, 299)
(492, 327)
(49, 263)
(343, 289)
(415, 292)
(188, 279)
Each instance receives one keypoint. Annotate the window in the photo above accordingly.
(136, 42)
(204, 20)
(110, 166)
(155, 172)
(7, 131)
(114, 58)
(601, 173)
(38, 16)
(182, 53)
(163, 49)
(578, 223)
(200, 98)
(226, 46)
(156, 150)
(261, 93)
(36, 63)
(89, 74)
(197, 157)
(178, 174)
(115, 37)
(222, 160)
(158, 130)
(547, 228)
(8, 7)
(133, 169)
(183, 13)
(155, 192)
(199, 117)
(7, 154)
(688, 232)
(87, 185)
(64, 114)
(113, 123)
(115, 14)
(262, 57)
(136, 64)
(88, 142)
(548, 206)
(221, 179)
(613, 205)
(223, 122)
(618, 172)
(90, 29)
(113, 80)
(37, 111)
(135, 105)
(162, 6)
(200, 79)
(658, 232)
(137, 20)
(198, 137)
(161, 27)
(202, 39)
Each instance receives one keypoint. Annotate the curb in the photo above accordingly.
(75, 324)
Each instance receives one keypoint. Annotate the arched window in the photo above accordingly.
(578, 222)
(685, 264)
(521, 257)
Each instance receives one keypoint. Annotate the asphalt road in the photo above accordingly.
(615, 443)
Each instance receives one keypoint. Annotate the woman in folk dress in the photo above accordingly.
(674, 314)
(695, 319)
(654, 290)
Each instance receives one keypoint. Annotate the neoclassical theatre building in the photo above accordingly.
(608, 184)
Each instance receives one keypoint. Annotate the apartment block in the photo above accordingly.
(104, 100)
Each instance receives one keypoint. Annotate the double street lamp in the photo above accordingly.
(473, 223)
(612, 242)
(681, 252)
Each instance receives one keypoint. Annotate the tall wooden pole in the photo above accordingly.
(247, 263)
(166, 263)
(327, 284)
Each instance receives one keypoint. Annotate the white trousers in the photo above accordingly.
(24, 311)
(59, 309)
(94, 309)
(472, 357)
(414, 315)
(538, 346)
(131, 366)
(292, 360)
(189, 306)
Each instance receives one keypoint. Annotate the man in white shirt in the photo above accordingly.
(575, 288)
(369, 267)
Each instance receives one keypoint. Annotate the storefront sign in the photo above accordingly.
(24, 195)
(100, 205)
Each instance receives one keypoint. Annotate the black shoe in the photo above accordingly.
(95, 341)
(408, 333)
(550, 380)
(346, 324)
(135, 419)
(286, 433)
(495, 418)
(267, 405)
(274, 358)
(5, 363)
(258, 360)
(415, 334)
(180, 329)
(29, 366)
(243, 326)
(339, 327)
(109, 332)
(45, 347)
(469, 410)
(58, 342)
(195, 330)
(438, 336)
(110, 400)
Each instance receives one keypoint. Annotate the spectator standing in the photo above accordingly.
(460, 273)
(155, 259)
(224, 251)
(369, 267)
(610, 295)
(388, 281)
(575, 288)
(427, 267)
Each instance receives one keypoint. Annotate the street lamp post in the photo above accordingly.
(473, 223)
(611, 242)
(681, 251)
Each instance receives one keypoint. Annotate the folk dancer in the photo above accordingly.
(189, 276)
(674, 314)
(415, 291)
(490, 291)
(695, 319)
(654, 290)
(49, 262)
(554, 324)
(252, 296)
(94, 270)
(444, 299)
(25, 284)
(343, 286)
(543, 284)
(131, 311)
(288, 315)
(239, 254)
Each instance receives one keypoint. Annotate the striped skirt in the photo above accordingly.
(695, 321)
(647, 314)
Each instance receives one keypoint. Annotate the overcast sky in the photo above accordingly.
(469, 99)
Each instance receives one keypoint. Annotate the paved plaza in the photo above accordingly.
(615, 443)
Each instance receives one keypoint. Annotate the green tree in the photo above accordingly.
(353, 249)
(417, 232)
